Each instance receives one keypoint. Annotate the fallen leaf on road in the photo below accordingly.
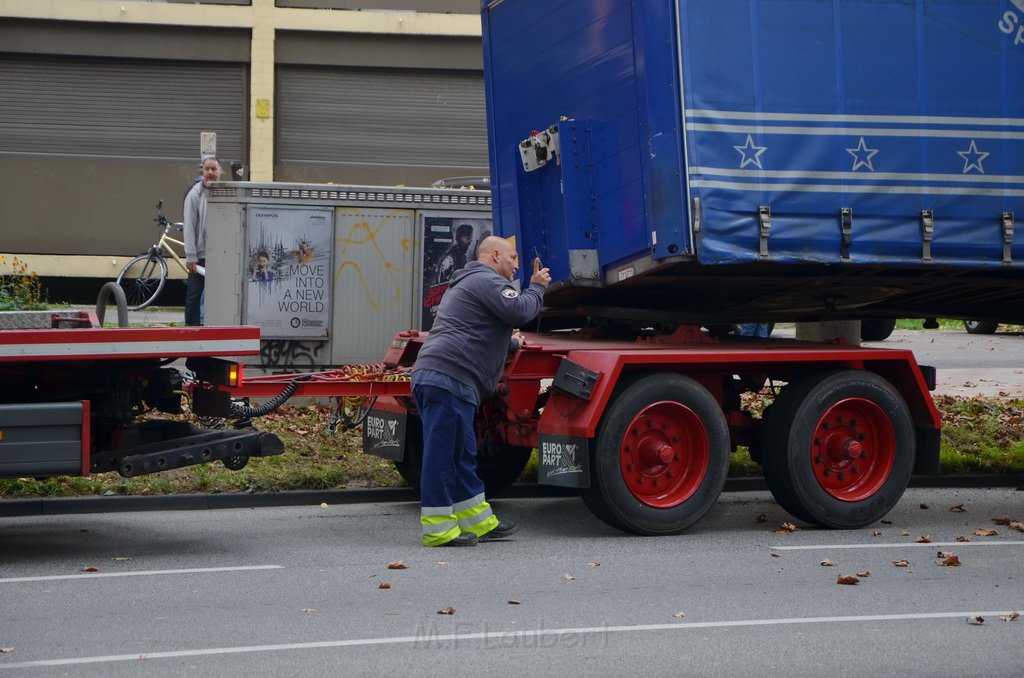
(442, 563)
(91, 568)
(827, 563)
(679, 615)
(864, 574)
(984, 532)
(959, 508)
(847, 580)
(308, 610)
(943, 554)
(593, 563)
(951, 561)
(6, 650)
(761, 518)
(977, 620)
(1017, 525)
(924, 506)
(383, 585)
(513, 601)
(1001, 521)
(963, 538)
(775, 555)
(398, 565)
(924, 539)
(904, 533)
(901, 563)
(876, 533)
(568, 577)
(447, 610)
(885, 522)
(785, 528)
(1013, 616)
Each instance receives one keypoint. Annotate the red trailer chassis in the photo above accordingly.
(644, 427)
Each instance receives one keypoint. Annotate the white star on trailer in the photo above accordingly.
(751, 153)
(973, 158)
(862, 156)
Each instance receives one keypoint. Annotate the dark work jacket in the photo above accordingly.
(470, 337)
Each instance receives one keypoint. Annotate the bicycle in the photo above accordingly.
(144, 277)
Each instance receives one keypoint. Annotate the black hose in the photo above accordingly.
(239, 411)
(112, 289)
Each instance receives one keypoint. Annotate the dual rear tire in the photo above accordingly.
(837, 450)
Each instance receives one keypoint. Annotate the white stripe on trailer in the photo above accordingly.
(133, 349)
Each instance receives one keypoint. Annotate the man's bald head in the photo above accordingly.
(499, 254)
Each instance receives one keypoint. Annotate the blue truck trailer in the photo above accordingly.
(774, 160)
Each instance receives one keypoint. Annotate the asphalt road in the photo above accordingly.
(296, 592)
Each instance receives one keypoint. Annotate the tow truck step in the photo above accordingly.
(198, 448)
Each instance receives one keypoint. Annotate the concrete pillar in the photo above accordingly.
(261, 92)
(830, 329)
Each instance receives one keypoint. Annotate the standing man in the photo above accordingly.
(195, 240)
(459, 365)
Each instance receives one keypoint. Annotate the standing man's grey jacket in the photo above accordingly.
(195, 223)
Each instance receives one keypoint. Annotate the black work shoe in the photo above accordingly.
(464, 539)
(503, 530)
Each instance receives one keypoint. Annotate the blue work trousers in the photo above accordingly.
(449, 448)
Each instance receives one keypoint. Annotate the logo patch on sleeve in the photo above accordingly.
(509, 293)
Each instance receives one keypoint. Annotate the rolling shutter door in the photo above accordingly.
(381, 117)
(106, 107)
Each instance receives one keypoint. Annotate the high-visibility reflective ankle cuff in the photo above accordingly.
(439, 538)
(481, 528)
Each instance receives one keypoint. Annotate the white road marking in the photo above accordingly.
(432, 640)
(139, 573)
(888, 545)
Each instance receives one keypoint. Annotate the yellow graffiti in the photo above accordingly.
(363, 234)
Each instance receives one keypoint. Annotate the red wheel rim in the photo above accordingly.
(664, 454)
(853, 449)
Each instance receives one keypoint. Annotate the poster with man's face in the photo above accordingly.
(288, 271)
(449, 243)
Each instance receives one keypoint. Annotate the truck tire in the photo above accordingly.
(876, 329)
(838, 448)
(498, 465)
(980, 326)
(661, 456)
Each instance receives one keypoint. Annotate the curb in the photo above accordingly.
(205, 502)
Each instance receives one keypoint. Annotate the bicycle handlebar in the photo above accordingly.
(162, 221)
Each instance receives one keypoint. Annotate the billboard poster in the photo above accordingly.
(449, 243)
(288, 270)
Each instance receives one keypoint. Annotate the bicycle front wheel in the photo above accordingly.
(142, 279)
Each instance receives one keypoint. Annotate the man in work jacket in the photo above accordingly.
(460, 364)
